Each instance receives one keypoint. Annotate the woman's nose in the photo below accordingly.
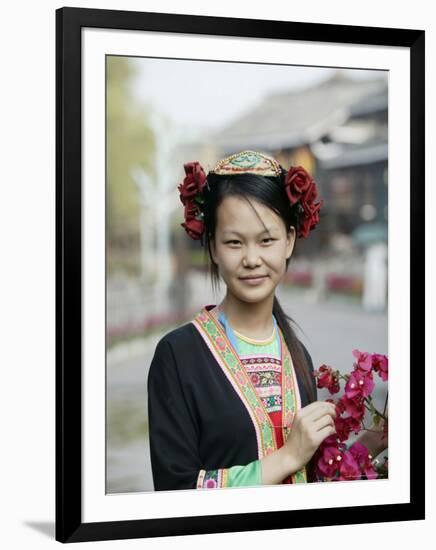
(252, 257)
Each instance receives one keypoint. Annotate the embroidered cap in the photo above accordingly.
(247, 162)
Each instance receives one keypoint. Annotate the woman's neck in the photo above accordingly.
(250, 319)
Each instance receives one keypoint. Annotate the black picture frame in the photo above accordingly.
(69, 22)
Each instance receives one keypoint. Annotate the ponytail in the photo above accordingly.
(300, 358)
(303, 366)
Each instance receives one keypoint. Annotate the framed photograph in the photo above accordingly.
(147, 104)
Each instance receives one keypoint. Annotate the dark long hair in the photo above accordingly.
(270, 191)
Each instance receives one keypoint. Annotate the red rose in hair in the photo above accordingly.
(194, 228)
(193, 182)
(300, 187)
(309, 219)
(308, 197)
(191, 210)
(297, 183)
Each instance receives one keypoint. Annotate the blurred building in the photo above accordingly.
(338, 131)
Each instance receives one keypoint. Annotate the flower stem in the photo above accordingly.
(386, 402)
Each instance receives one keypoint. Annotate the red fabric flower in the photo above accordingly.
(309, 219)
(300, 187)
(191, 210)
(190, 195)
(194, 181)
(297, 183)
(194, 228)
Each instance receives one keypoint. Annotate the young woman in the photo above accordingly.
(231, 396)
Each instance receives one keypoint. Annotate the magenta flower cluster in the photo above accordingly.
(334, 459)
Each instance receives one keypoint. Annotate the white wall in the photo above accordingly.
(27, 301)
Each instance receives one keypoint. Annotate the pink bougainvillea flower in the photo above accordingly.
(329, 461)
(349, 468)
(340, 405)
(380, 365)
(355, 407)
(369, 471)
(333, 460)
(337, 404)
(364, 459)
(359, 384)
(330, 441)
(327, 378)
(343, 428)
(364, 361)
(359, 451)
(354, 424)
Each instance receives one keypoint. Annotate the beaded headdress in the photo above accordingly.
(300, 188)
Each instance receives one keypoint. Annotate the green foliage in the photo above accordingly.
(130, 143)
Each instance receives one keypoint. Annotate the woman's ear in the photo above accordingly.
(290, 241)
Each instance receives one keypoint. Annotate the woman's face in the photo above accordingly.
(251, 261)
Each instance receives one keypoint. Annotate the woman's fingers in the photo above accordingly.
(321, 409)
(325, 432)
(323, 422)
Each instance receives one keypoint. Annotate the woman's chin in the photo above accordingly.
(253, 294)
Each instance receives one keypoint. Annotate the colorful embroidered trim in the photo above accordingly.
(212, 479)
(247, 161)
(221, 348)
(291, 401)
(249, 475)
(217, 341)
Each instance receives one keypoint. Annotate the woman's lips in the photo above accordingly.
(254, 280)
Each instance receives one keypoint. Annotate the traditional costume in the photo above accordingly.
(214, 412)
(217, 401)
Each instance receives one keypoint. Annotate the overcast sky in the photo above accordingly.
(207, 94)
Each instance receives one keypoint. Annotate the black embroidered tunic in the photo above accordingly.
(208, 425)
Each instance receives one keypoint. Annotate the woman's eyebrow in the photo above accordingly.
(267, 230)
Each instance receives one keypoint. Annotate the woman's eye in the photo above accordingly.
(236, 242)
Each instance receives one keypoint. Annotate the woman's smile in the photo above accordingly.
(254, 280)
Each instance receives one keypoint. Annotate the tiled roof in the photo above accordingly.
(290, 119)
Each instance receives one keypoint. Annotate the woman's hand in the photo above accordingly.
(379, 436)
(312, 424)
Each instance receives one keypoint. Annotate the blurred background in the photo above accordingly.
(162, 113)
